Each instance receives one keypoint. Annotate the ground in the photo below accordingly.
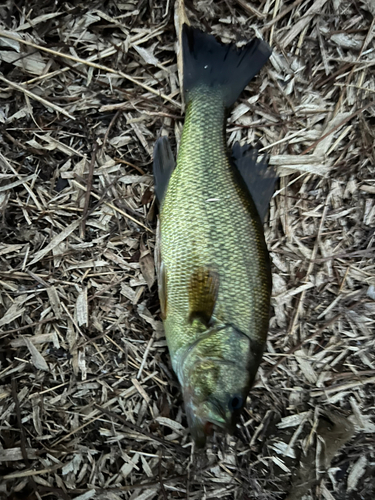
(89, 406)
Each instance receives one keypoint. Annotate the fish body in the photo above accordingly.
(214, 270)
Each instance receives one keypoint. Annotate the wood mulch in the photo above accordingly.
(89, 406)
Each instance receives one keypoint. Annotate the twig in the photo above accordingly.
(88, 191)
(31, 473)
(75, 431)
(127, 216)
(113, 121)
(282, 14)
(251, 10)
(139, 169)
(358, 112)
(129, 487)
(92, 64)
(354, 87)
(22, 432)
(25, 327)
(14, 184)
(45, 103)
(300, 344)
(135, 428)
(339, 387)
(19, 421)
(349, 77)
(302, 23)
(161, 479)
(357, 253)
(334, 75)
(309, 271)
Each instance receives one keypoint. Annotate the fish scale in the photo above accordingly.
(214, 276)
(226, 234)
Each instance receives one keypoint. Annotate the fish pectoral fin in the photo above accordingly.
(203, 291)
(163, 166)
(259, 177)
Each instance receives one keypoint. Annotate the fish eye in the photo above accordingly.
(235, 402)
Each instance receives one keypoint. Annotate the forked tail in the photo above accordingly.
(209, 63)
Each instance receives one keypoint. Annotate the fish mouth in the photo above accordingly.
(205, 413)
(201, 429)
(205, 418)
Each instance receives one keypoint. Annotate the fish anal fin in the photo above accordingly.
(259, 177)
(203, 291)
(163, 166)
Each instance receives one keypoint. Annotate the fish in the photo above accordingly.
(213, 267)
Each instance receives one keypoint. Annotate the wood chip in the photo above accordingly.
(356, 473)
(59, 238)
(36, 358)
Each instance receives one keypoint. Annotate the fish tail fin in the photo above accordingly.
(209, 63)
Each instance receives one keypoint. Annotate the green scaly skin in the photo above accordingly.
(208, 220)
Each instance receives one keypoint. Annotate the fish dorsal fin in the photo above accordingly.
(163, 166)
(259, 177)
(203, 290)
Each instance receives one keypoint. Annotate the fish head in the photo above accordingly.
(218, 373)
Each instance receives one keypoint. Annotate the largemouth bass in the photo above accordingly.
(213, 268)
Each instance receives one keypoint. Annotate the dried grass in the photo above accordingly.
(89, 407)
